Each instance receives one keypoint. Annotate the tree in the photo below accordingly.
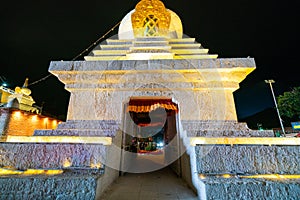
(289, 104)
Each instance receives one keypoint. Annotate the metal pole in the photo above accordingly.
(280, 120)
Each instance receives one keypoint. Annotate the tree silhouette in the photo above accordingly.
(289, 104)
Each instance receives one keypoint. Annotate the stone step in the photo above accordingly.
(185, 46)
(155, 38)
(110, 52)
(182, 40)
(150, 48)
(118, 42)
(190, 51)
(116, 47)
(150, 43)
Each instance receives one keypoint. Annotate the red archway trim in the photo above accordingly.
(149, 104)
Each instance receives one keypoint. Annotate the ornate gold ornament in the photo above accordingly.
(150, 19)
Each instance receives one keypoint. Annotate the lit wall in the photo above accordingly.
(3, 96)
(22, 123)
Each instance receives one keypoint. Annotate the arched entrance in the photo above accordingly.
(150, 134)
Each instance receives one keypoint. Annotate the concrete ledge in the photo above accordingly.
(247, 159)
(64, 66)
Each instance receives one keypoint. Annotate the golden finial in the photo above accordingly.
(150, 18)
(25, 85)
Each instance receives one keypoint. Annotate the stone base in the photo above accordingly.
(224, 171)
(75, 184)
(249, 189)
(65, 186)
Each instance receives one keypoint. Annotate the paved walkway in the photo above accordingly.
(159, 185)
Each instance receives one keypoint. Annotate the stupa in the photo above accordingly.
(20, 98)
(149, 83)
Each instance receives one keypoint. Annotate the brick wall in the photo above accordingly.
(22, 123)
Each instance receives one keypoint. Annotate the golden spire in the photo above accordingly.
(150, 19)
(25, 85)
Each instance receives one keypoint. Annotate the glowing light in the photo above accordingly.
(9, 171)
(53, 171)
(226, 176)
(96, 165)
(67, 163)
(17, 114)
(263, 176)
(34, 118)
(273, 176)
(60, 139)
(201, 176)
(245, 140)
(33, 171)
(160, 144)
(5, 171)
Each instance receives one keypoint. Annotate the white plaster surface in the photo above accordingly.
(202, 88)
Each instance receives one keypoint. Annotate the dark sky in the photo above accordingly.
(33, 33)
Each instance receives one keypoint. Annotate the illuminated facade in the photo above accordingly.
(153, 79)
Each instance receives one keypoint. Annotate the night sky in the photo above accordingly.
(33, 33)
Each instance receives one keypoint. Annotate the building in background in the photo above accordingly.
(18, 114)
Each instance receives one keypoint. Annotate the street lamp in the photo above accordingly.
(280, 120)
(2, 78)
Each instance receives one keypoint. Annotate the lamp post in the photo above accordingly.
(280, 120)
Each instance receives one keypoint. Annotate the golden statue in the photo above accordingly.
(150, 18)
